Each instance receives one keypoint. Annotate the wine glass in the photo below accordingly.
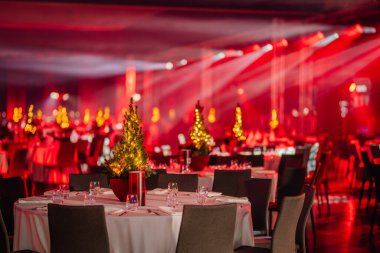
(202, 193)
(131, 202)
(94, 187)
(172, 194)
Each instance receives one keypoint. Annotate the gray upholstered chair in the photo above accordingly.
(231, 182)
(77, 229)
(4, 240)
(186, 182)
(81, 182)
(259, 192)
(284, 234)
(207, 229)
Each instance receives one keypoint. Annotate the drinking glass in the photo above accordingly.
(202, 193)
(64, 189)
(94, 187)
(89, 198)
(57, 197)
(172, 194)
(131, 202)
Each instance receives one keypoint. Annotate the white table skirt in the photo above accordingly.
(144, 232)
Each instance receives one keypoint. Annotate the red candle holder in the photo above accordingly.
(137, 185)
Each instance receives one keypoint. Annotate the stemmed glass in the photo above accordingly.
(131, 202)
(202, 193)
(94, 187)
(172, 194)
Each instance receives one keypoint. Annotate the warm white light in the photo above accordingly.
(183, 62)
(219, 56)
(136, 97)
(169, 65)
(368, 29)
(54, 95)
(306, 111)
(182, 139)
(267, 48)
(295, 113)
(157, 149)
(65, 97)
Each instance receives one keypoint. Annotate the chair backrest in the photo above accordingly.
(259, 192)
(4, 240)
(287, 161)
(151, 182)
(19, 163)
(77, 229)
(255, 160)
(11, 189)
(290, 182)
(284, 233)
(67, 154)
(220, 160)
(81, 182)
(186, 182)
(231, 182)
(302, 221)
(207, 228)
(305, 151)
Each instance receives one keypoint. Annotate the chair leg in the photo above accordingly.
(327, 196)
(313, 227)
(373, 219)
(369, 192)
(361, 192)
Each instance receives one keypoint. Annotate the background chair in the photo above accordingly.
(259, 192)
(186, 182)
(220, 160)
(81, 182)
(77, 229)
(151, 182)
(231, 182)
(4, 240)
(11, 189)
(19, 167)
(207, 229)
(302, 222)
(284, 233)
(255, 160)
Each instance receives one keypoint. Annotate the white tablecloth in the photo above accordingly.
(139, 231)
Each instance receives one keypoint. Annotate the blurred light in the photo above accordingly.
(219, 56)
(119, 126)
(136, 97)
(183, 62)
(54, 95)
(65, 97)
(55, 112)
(240, 91)
(172, 114)
(327, 40)
(211, 116)
(107, 129)
(314, 38)
(352, 87)
(306, 111)
(343, 108)
(295, 113)
(157, 149)
(368, 29)
(169, 66)
(354, 30)
(182, 139)
(361, 88)
(282, 43)
(267, 48)
(155, 114)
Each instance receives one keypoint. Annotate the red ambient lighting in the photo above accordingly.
(352, 87)
(354, 30)
(311, 40)
(282, 43)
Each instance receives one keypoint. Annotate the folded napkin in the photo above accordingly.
(35, 200)
(113, 210)
(170, 210)
(106, 191)
(233, 200)
(159, 191)
(214, 194)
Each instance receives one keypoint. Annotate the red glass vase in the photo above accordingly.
(120, 188)
(137, 185)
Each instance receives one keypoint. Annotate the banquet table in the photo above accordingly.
(153, 228)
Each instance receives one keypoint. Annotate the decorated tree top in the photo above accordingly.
(199, 134)
(30, 126)
(129, 154)
(238, 126)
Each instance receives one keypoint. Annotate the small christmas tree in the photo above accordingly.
(30, 126)
(129, 154)
(238, 126)
(199, 134)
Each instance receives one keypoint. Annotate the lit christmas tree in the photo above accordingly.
(199, 134)
(62, 118)
(30, 126)
(238, 126)
(129, 154)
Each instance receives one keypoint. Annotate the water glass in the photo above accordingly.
(89, 199)
(202, 194)
(64, 189)
(131, 202)
(171, 198)
(57, 197)
(94, 187)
